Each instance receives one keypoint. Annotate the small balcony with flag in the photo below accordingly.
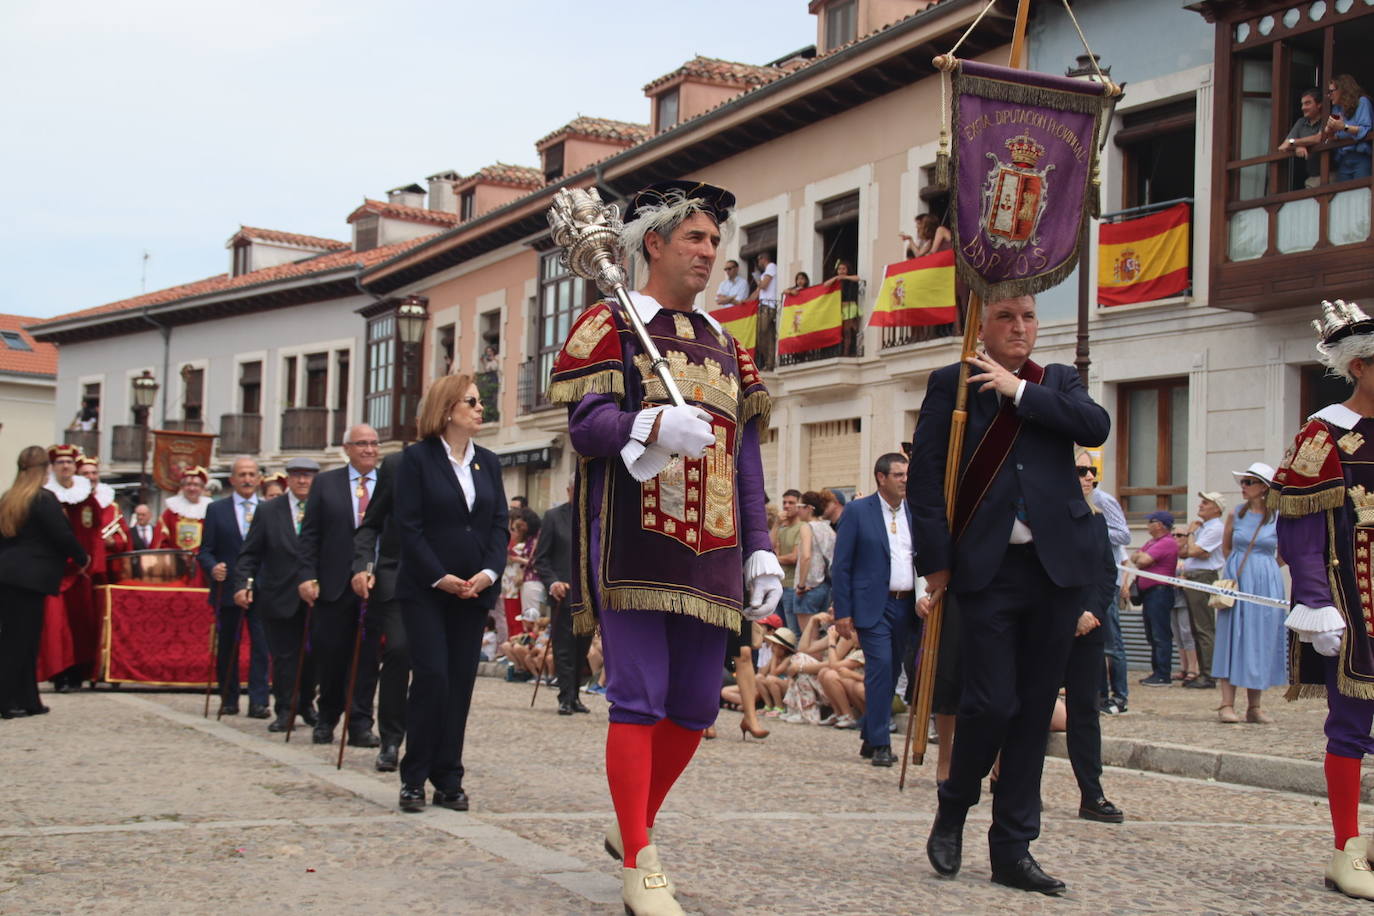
(917, 302)
(1145, 254)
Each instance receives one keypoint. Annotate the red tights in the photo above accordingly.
(1343, 796)
(642, 763)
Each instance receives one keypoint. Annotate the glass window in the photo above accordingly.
(562, 297)
(1153, 459)
(250, 387)
(14, 340)
(665, 110)
(841, 23)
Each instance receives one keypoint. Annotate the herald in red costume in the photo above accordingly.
(71, 626)
(182, 525)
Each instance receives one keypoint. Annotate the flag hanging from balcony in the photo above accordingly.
(917, 292)
(811, 319)
(1025, 147)
(1143, 259)
(741, 321)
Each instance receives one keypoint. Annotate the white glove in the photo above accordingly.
(763, 572)
(685, 431)
(1328, 643)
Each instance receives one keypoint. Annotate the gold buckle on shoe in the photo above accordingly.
(656, 881)
(1360, 863)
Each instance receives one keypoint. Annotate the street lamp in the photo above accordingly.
(411, 316)
(144, 393)
(1088, 67)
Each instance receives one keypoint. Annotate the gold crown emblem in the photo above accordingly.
(1341, 319)
(1025, 151)
(1364, 506)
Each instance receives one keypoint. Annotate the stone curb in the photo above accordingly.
(1285, 774)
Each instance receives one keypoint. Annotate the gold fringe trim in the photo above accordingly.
(1305, 692)
(584, 620)
(1020, 94)
(1350, 687)
(625, 598)
(759, 404)
(572, 390)
(1296, 505)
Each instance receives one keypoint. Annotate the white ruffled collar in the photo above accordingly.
(74, 495)
(104, 494)
(648, 307)
(187, 509)
(1337, 415)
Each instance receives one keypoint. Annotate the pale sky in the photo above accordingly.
(162, 125)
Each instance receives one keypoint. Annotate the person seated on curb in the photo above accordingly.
(774, 680)
(843, 684)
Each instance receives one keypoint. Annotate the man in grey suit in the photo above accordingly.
(553, 564)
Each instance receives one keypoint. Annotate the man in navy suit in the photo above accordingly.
(226, 525)
(1017, 556)
(874, 581)
(338, 501)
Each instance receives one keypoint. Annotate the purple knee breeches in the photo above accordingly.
(1348, 719)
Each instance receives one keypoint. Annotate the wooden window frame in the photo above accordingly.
(1163, 493)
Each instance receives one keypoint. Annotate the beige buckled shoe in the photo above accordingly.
(615, 848)
(1349, 871)
(645, 888)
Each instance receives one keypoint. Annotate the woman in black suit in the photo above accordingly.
(35, 543)
(451, 512)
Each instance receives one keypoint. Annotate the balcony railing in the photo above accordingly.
(240, 433)
(901, 337)
(489, 390)
(532, 391)
(128, 443)
(88, 440)
(305, 429)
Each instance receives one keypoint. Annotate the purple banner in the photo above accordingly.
(1023, 155)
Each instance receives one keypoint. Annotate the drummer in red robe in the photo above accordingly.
(114, 530)
(71, 626)
(182, 524)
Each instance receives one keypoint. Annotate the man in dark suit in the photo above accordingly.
(1016, 558)
(553, 563)
(142, 530)
(338, 501)
(874, 580)
(226, 525)
(377, 545)
(270, 556)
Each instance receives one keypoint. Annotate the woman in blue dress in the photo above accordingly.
(1251, 643)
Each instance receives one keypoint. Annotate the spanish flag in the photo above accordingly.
(811, 319)
(1143, 259)
(917, 292)
(741, 321)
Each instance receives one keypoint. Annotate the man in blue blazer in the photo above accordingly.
(874, 580)
(226, 525)
(1019, 551)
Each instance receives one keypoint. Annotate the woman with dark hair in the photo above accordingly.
(35, 544)
(451, 512)
(1351, 118)
(800, 282)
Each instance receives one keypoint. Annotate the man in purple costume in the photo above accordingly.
(1324, 492)
(669, 523)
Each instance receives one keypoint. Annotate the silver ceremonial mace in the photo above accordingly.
(588, 231)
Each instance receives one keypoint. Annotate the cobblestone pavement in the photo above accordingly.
(130, 802)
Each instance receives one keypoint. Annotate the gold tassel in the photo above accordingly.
(942, 161)
(1296, 505)
(572, 390)
(584, 621)
(1095, 194)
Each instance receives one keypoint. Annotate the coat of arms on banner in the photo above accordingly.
(1016, 194)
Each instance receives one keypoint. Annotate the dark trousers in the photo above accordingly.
(1084, 737)
(227, 663)
(445, 645)
(286, 638)
(884, 644)
(568, 652)
(21, 626)
(385, 635)
(333, 625)
(1015, 639)
(1158, 602)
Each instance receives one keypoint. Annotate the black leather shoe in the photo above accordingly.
(387, 758)
(412, 798)
(280, 723)
(456, 801)
(358, 737)
(865, 750)
(1201, 682)
(882, 756)
(258, 712)
(1100, 810)
(945, 846)
(1026, 875)
(13, 713)
(38, 710)
(226, 710)
(323, 734)
(309, 716)
(578, 707)
(565, 709)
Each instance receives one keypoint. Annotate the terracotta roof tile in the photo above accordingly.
(726, 72)
(334, 260)
(287, 238)
(519, 176)
(402, 212)
(41, 360)
(599, 129)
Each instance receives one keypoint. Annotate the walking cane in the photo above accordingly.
(214, 651)
(233, 662)
(352, 676)
(300, 666)
(553, 622)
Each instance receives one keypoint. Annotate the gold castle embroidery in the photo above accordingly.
(706, 383)
(1312, 455)
(1351, 442)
